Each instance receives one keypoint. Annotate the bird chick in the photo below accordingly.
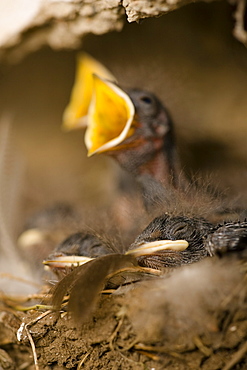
(167, 242)
(134, 128)
(165, 227)
(77, 249)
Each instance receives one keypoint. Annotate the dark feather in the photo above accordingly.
(231, 237)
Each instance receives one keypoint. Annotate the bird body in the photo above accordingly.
(138, 263)
(230, 237)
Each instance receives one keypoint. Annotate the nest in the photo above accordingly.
(193, 317)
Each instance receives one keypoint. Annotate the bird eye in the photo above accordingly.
(146, 99)
(180, 228)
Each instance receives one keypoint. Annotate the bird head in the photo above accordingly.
(171, 242)
(74, 251)
(132, 126)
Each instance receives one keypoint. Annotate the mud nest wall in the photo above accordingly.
(63, 24)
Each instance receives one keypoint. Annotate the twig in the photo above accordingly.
(35, 359)
(130, 345)
(150, 355)
(34, 307)
(145, 348)
(237, 357)
(25, 326)
(205, 350)
(83, 360)
(39, 318)
(114, 334)
(6, 275)
(24, 299)
(108, 291)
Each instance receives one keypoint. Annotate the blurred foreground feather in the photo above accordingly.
(15, 274)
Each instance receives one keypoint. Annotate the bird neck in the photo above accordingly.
(160, 167)
(164, 164)
(157, 158)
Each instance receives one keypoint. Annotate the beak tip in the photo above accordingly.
(157, 246)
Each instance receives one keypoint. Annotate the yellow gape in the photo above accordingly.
(110, 116)
(76, 111)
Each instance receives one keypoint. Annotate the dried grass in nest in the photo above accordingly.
(193, 318)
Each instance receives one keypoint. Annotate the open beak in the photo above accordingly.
(66, 261)
(110, 117)
(158, 246)
(76, 112)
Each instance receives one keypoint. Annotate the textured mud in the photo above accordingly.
(148, 325)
